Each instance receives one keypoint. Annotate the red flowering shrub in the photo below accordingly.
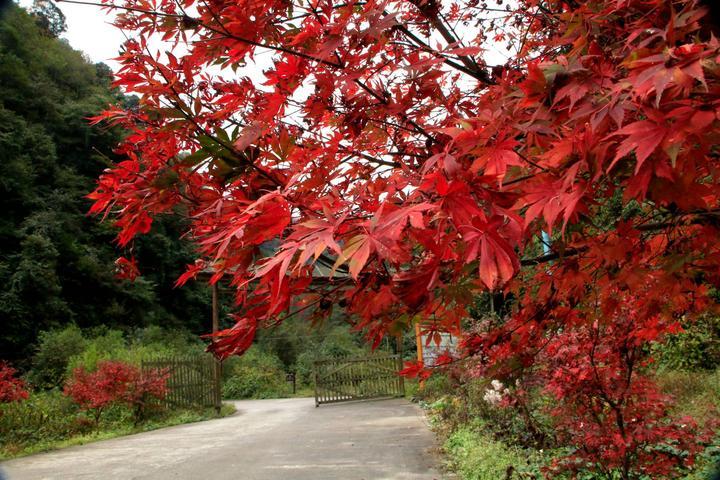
(115, 383)
(611, 412)
(146, 387)
(95, 391)
(12, 389)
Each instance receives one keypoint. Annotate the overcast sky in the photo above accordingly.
(89, 30)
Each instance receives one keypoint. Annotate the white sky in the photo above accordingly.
(89, 30)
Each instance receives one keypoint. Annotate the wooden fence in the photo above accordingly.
(194, 381)
(346, 379)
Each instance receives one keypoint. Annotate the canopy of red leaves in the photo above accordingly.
(383, 162)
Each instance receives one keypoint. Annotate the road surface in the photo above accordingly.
(287, 439)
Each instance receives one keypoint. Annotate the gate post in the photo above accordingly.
(315, 381)
(399, 341)
(217, 376)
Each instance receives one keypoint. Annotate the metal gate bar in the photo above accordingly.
(357, 378)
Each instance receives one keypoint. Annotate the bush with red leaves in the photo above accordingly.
(12, 389)
(115, 383)
(145, 390)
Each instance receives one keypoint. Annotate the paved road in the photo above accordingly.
(286, 439)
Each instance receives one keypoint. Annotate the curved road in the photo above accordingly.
(287, 439)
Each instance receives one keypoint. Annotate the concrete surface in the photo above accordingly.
(286, 439)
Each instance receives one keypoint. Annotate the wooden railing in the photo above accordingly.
(194, 381)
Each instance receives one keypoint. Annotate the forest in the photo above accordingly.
(56, 263)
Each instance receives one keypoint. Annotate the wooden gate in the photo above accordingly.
(193, 380)
(346, 379)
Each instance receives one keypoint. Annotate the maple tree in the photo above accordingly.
(115, 382)
(12, 389)
(382, 147)
(147, 387)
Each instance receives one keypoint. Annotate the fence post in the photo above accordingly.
(217, 376)
(315, 381)
(400, 363)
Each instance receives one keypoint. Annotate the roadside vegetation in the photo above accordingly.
(87, 385)
(487, 434)
(83, 385)
(48, 421)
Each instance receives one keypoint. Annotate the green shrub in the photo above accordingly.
(697, 348)
(257, 374)
(54, 350)
(45, 416)
(337, 342)
(435, 387)
(105, 346)
(142, 344)
(475, 455)
(180, 342)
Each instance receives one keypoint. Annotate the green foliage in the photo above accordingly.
(475, 455)
(257, 374)
(109, 344)
(435, 387)
(695, 393)
(56, 264)
(298, 335)
(697, 348)
(179, 341)
(45, 416)
(708, 464)
(48, 17)
(337, 341)
(62, 350)
(54, 350)
(293, 346)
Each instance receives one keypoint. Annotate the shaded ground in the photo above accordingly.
(286, 439)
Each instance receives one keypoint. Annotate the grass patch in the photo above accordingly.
(115, 429)
(695, 393)
(474, 455)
